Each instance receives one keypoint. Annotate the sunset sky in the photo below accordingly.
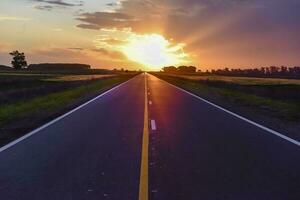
(153, 33)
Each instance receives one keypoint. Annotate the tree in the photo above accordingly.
(19, 60)
(170, 69)
(187, 69)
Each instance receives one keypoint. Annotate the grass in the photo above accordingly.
(254, 97)
(79, 77)
(53, 72)
(27, 101)
(241, 80)
(21, 87)
(54, 101)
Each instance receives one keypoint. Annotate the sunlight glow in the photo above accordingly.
(153, 51)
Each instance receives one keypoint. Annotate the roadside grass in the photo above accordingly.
(284, 109)
(240, 80)
(79, 77)
(27, 72)
(22, 87)
(55, 101)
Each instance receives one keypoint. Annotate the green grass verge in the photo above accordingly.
(55, 101)
(286, 110)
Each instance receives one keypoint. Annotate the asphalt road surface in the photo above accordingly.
(189, 150)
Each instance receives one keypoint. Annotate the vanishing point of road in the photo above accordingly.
(146, 139)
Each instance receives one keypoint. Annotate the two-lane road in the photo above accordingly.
(196, 151)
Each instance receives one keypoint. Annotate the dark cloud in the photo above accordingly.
(76, 48)
(44, 7)
(112, 4)
(88, 26)
(151, 14)
(61, 2)
(100, 20)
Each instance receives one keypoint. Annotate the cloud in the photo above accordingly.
(49, 5)
(61, 2)
(110, 54)
(236, 31)
(100, 20)
(110, 41)
(88, 26)
(76, 48)
(112, 4)
(155, 15)
(181, 16)
(44, 7)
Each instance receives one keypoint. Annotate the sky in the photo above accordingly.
(138, 34)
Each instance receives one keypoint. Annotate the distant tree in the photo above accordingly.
(170, 69)
(19, 60)
(187, 69)
(283, 70)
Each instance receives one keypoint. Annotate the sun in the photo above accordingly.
(153, 51)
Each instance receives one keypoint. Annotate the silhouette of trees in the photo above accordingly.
(58, 66)
(170, 69)
(19, 60)
(272, 71)
(180, 69)
(187, 69)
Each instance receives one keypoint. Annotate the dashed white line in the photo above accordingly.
(153, 125)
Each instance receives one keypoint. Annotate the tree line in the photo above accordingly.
(272, 71)
(19, 62)
(180, 69)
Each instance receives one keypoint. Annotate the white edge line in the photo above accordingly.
(153, 125)
(239, 116)
(5, 147)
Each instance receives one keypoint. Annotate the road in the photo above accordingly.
(149, 140)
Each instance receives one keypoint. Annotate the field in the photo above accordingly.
(275, 102)
(71, 78)
(242, 80)
(28, 100)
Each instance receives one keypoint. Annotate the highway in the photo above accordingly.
(147, 139)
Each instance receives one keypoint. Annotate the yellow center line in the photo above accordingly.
(144, 191)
